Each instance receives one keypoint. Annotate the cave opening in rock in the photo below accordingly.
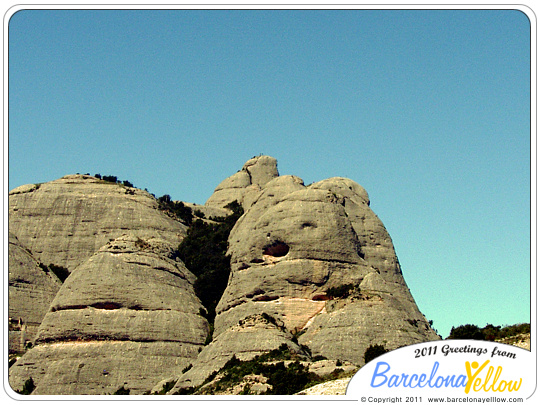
(106, 305)
(276, 249)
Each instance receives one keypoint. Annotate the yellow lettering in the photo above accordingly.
(501, 387)
(470, 375)
(488, 376)
(476, 383)
(516, 385)
(497, 374)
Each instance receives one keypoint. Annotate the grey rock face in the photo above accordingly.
(100, 367)
(312, 267)
(31, 291)
(292, 247)
(253, 335)
(66, 221)
(127, 307)
(245, 184)
(130, 294)
(292, 252)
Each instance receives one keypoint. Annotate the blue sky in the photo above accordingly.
(427, 110)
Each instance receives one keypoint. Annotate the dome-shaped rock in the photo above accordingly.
(32, 288)
(65, 221)
(246, 183)
(320, 263)
(130, 309)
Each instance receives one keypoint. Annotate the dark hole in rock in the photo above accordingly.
(257, 291)
(68, 307)
(266, 298)
(276, 249)
(106, 305)
(321, 297)
(257, 261)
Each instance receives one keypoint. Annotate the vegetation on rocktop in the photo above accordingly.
(113, 179)
(281, 367)
(61, 272)
(374, 351)
(204, 252)
(28, 387)
(341, 291)
(488, 332)
(176, 208)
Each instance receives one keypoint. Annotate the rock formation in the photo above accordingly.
(320, 263)
(126, 313)
(312, 270)
(65, 221)
(32, 287)
(244, 185)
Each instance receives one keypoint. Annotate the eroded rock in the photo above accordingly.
(32, 288)
(312, 268)
(129, 309)
(320, 262)
(66, 221)
(244, 185)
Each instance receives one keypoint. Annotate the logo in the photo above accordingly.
(458, 369)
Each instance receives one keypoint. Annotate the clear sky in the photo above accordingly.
(428, 110)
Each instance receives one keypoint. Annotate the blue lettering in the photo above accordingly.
(404, 379)
(376, 374)
(463, 382)
(433, 372)
(413, 377)
(393, 381)
(381, 377)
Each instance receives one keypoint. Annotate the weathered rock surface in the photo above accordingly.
(252, 336)
(293, 248)
(128, 306)
(31, 291)
(297, 242)
(66, 221)
(312, 267)
(99, 367)
(335, 387)
(129, 309)
(244, 184)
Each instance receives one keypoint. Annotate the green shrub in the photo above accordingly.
(514, 330)
(488, 332)
(28, 387)
(199, 213)
(166, 387)
(466, 332)
(122, 391)
(175, 208)
(204, 252)
(341, 291)
(186, 369)
(110, 179)
(374, 351)
(284, 379)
